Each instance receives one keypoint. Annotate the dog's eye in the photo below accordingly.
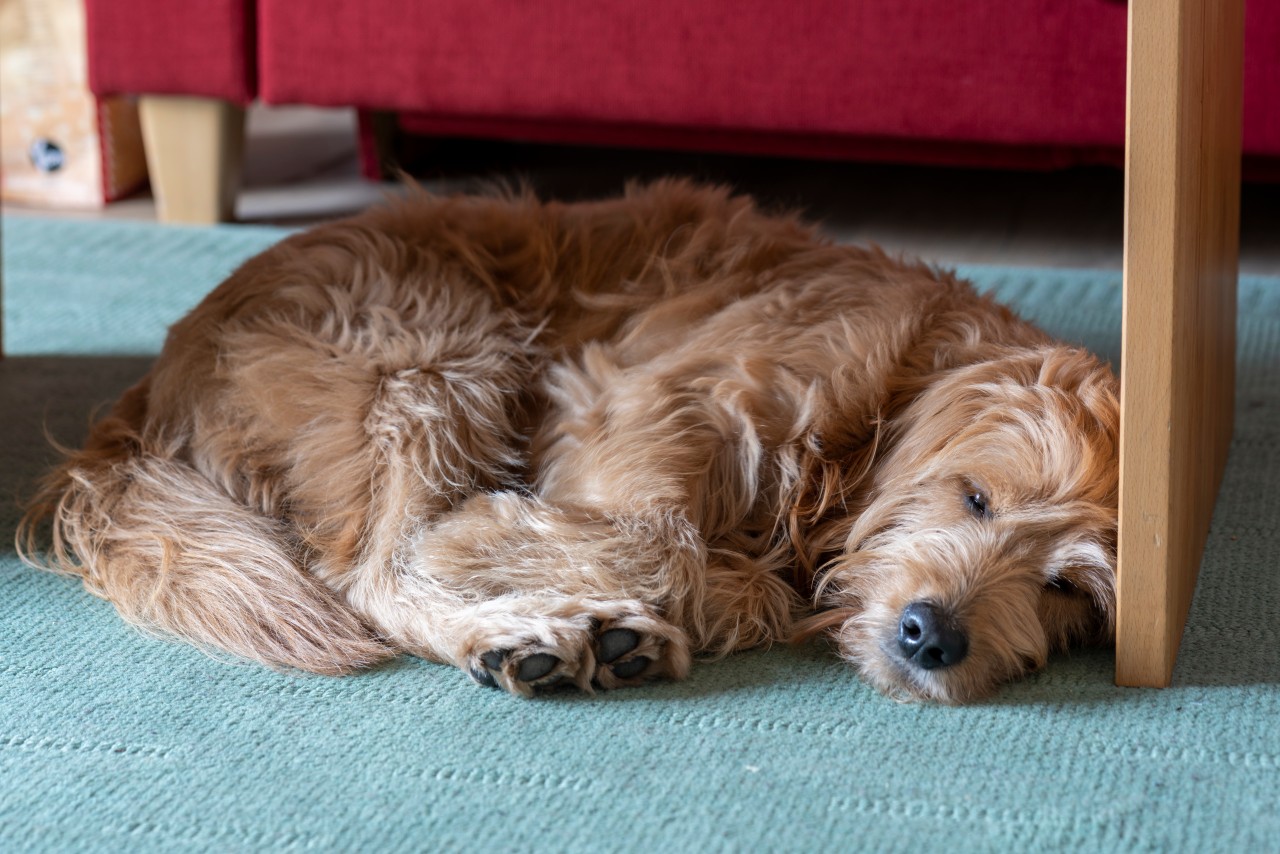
(1060, 585)
(977, 504)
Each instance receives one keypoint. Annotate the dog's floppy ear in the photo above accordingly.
(1092, 405)
(832, 466)
(1087, 567)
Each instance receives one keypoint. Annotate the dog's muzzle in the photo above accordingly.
(929, 638)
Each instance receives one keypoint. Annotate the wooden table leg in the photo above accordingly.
(1182, 196)
(194, 152)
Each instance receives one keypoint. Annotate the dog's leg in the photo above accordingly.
(522, 594)
(364, 420)
(606, 575)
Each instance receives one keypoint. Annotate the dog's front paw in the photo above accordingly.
(632, 646)
(524, 654)
(521, 673)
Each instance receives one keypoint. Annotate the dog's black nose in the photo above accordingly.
(929, 639)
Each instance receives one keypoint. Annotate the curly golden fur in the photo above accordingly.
(579, 443)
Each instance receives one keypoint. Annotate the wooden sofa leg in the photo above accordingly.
(1182, 189)
(195, 147)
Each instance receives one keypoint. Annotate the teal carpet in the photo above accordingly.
(110, 740)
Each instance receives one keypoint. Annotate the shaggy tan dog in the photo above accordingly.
(578, 443)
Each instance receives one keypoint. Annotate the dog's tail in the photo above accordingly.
(175, 554)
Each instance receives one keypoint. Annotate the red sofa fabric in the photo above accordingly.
(1036, 72)
(173, 47)
(988, 82)
(1262, 80)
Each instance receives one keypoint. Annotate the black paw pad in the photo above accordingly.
(493, 658)
(483, 677)
(630, 669)
(616, 643)
(536, 666)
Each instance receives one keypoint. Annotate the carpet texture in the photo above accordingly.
(111, 740)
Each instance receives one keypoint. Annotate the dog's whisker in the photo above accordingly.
(820, 622)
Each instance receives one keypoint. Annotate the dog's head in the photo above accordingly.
(987, 534)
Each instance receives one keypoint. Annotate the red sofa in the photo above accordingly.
(1033, 83)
